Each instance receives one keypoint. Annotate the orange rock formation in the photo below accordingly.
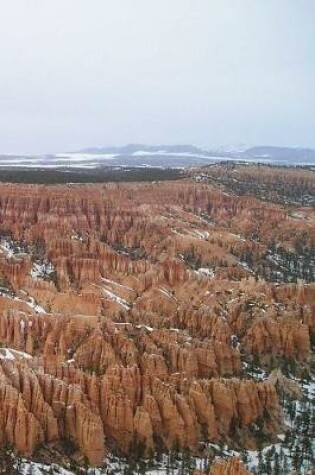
(139, 329)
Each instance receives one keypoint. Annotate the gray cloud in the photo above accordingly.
(76, 73)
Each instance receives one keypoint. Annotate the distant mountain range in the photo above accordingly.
(290, 155)
(189, 154)
(138, 155)
(134, 148)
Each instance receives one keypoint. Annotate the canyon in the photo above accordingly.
(138, 318)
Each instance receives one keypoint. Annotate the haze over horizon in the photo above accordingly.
(79, 74)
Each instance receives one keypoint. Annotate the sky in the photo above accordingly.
(80, 73)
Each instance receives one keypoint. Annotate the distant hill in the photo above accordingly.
(263, 153)
(280, 154)
(132, 148)
(163, 156)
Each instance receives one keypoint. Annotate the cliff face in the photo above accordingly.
(118, 384)
(37, 408)
(136, 318)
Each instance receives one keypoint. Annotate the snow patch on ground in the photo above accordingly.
(167, 293)
(204, 235)
(237, 236)
(34, 305)
(147, 327)
(115, 298)
(76, 156)
(205, 271)
(11, 248)
(10, 354)
(112, 282)
(245, 266)
(30, 302)
(42, 270)
(143, 153)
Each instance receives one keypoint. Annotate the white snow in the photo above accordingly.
(237, 236)
(11, 354)
(143, 153)
(115, 298)
(177, 232)
(194, 233)
(77, 237)
(108, 281)
(147, 327)
(199, 234)
(11, 248)
(33, 304)
(245, 266)
(84, 156)
(49, 165)
(7, 250)
(39, 271)
(72, 360)
(27, 467)
(205, 271)
(166, 292)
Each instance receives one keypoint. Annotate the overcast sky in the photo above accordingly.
(77, 73)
